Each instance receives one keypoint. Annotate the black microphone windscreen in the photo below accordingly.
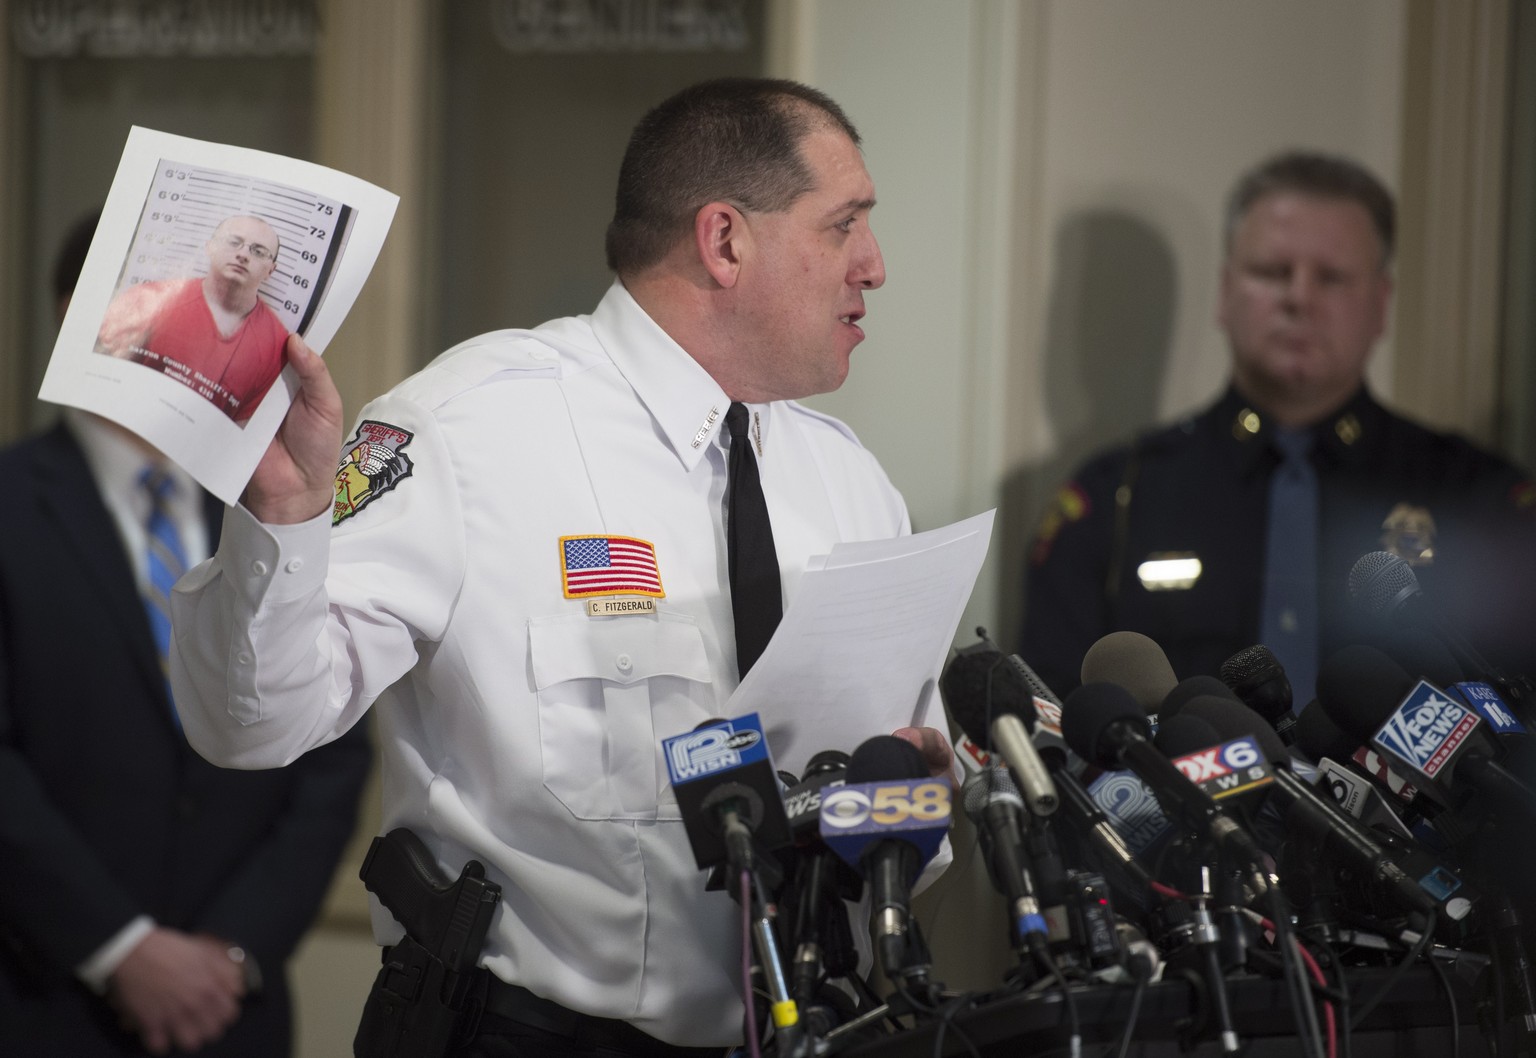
(1360, 687)
(828, 760)
(1183, 734)
(886, 757)
(1235, 720)
(1133, 661)
(1088, 712)
(1191, 687)
(1258, 679)
(1380, 581)
(1249, 666)
(979, 685)
(1422, 654)
(1318, 736)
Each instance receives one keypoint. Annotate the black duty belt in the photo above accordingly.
(504, 1002)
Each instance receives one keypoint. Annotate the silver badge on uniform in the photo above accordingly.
(1409, 533)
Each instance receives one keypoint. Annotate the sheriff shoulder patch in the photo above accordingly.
(372, 463)
(1070, 505)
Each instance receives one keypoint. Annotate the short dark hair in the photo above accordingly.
(71, 255)
(734, 140)
(1321, 176)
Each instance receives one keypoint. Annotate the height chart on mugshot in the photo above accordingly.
(186, 204)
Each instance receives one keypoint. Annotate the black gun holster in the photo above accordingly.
(405, 1017)
(430, 991)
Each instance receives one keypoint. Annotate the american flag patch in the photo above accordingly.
(608, 565)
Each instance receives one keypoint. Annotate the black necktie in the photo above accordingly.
(756, 605)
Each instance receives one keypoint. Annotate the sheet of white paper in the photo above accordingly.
(168, 197)
(860, 646)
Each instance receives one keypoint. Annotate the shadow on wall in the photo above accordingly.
(1108, 330)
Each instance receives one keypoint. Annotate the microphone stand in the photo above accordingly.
(741, 863)
(1201, 932)
(1207, 938)
(1513, 972)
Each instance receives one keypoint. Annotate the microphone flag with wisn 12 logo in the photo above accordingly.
(723, 768)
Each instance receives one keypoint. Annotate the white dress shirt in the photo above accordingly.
(116, 463)
(515, 728)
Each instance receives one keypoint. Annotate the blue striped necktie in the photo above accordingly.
(167, 560)
(1288, 620)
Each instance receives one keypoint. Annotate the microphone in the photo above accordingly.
(1310, 813)
(821, 881)
(1046, 727)
(1318, 736)
(1188, 688)
(1423, 655)
(1134, 662)
(1107, 726)
(993, 804)
(1214, 910)
(727, 791)
(802, 801)
(1358, 796)
(1077, 803)
(888, 822)
(1256, 676)
(987, 698)
(728, 795)
(1445, 743)
(1320, 740)
(1384, 585)
(1183, 734)
(1187, 740)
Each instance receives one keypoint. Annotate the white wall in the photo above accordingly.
(1051, 176)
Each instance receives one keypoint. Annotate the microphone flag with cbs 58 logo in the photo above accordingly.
(858, 815)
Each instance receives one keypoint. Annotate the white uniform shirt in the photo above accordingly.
(515, 728)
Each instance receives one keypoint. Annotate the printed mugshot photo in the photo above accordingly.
(222, 267)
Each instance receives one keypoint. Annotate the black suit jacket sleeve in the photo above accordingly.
(269, 903)
(105, 811)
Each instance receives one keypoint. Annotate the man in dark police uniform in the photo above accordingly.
(1240, 525)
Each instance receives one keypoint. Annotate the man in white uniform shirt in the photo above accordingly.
(518, 727)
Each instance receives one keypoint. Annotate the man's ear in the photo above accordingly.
(721, 239)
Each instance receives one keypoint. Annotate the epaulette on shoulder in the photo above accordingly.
(505, 355)
(1168, 433)
(823, 419)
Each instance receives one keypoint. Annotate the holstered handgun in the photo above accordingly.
(429, 991)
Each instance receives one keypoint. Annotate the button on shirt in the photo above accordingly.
(515, 728)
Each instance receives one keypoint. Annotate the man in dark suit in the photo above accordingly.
(148, 900)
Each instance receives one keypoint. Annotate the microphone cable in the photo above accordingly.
(747, 997)
(946, 1021)
(1142, 981)
(1334, 1000)
(1450, 996)
(1296, 984)
(1398, 972)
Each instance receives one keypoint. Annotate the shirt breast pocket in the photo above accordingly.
(603, 684)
